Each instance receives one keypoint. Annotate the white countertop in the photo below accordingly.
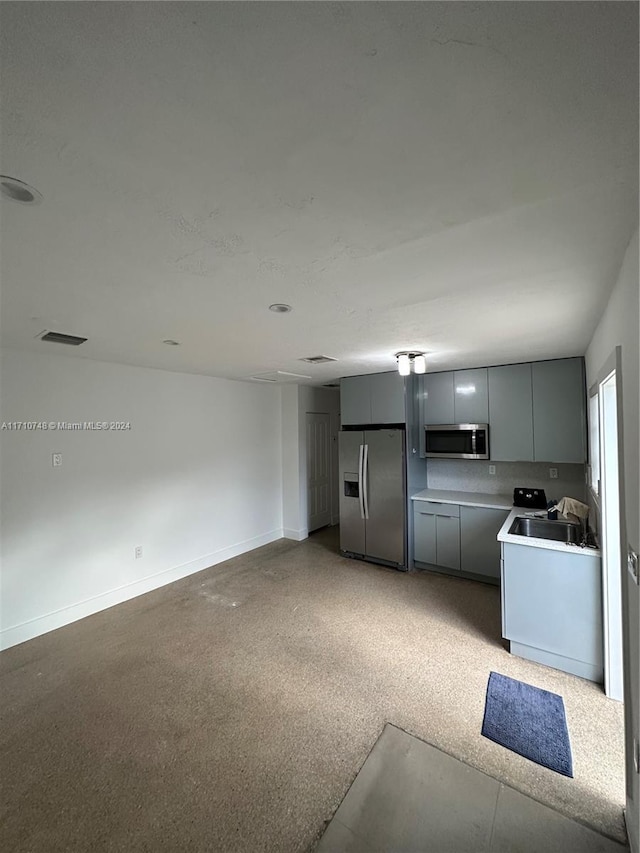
(531, 541)
(465, 499)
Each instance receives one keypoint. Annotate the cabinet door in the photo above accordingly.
(471, 398)
(387, 398)
(424, 533)
(510, 413)
(553, 602)
(558, 410)
(479, 547)
(448, 541)
(355, 400)
(437, 399)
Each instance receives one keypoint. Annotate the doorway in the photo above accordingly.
(318, 428)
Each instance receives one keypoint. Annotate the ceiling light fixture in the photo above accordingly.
(280, 308)
(406, 359)
(16, 190)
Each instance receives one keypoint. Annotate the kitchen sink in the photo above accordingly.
(541, 528)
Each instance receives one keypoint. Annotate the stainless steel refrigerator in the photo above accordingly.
(373, 506)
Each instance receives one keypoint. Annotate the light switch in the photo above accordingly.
(56, 459)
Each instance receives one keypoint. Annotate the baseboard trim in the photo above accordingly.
(59, 618)
(296, 535)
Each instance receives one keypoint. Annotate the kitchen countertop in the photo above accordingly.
(465, 499)
(533, 542)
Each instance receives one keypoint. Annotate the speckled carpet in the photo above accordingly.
(232, 710)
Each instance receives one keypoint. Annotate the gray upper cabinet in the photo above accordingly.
(374, 399)
(471, 398)
(558, 410)
(355, 400)
(510, 413)
(437, 398)
(387, 398)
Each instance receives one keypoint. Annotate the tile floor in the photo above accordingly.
(410, 797)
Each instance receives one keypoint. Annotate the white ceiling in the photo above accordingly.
(459, 178)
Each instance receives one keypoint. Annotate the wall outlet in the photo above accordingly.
(492, 469)
(138, 552)
(56, 459)
(553, 473)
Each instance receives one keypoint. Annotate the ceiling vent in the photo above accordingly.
(59, 338)
(331, 385)
(318, 359)
(279, 376)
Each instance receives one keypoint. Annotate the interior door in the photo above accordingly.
(318, 470)
(385, 495)
(352, 523)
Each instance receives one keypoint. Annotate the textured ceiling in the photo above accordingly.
(459, 178)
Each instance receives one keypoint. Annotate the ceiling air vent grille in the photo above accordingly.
(279, 376)
(318, 359)
(59, 338)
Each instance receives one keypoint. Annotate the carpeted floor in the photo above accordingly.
(231, 710)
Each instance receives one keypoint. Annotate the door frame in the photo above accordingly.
(612, 535)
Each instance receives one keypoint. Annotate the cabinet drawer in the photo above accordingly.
(451, 510)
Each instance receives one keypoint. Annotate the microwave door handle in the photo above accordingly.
(365, 471)
(473, 442)
(360, 480)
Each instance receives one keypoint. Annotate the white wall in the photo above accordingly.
(197, 479)
(620, 326)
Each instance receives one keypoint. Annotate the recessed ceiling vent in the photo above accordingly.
(318, 359)
(279, 376)
(331, 385)
(59, 338)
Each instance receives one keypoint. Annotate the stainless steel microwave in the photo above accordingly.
(457, 441)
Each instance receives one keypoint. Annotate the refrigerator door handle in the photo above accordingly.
(360, 480)
(365, 488)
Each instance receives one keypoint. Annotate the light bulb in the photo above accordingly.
(404, 365)
(419, 364)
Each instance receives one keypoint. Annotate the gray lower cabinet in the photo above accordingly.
(552, 607)
(559, 422)
(436, 534)
(461, 538)
(479, 546)
(424, 533)
(448, 541)
(510, 413)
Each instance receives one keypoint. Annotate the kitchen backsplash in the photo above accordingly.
(474, 476)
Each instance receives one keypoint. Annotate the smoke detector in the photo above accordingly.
(16, 190)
